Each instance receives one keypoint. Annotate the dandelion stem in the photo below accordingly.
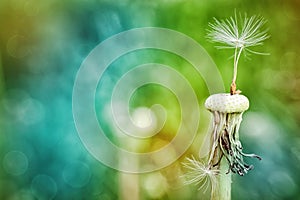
(223, 190)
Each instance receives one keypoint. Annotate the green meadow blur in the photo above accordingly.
(42, 45)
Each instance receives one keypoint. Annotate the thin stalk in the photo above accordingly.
(237, 55)
(235, 65)
(223, 188)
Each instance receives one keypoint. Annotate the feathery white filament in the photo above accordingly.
(199, 174)
(230, 33)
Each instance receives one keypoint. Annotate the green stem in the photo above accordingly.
(223, 188)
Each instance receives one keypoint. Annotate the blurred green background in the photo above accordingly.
(42, 45)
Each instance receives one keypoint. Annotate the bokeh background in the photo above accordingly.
(42, 45)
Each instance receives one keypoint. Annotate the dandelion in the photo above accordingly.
(225, 151)
(200, 174)
(248, 33)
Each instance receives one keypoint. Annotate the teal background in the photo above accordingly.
(42, 45)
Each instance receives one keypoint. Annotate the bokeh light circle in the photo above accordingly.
(15, 163)
(91, 71)
(185, 95)
(43, 187)
(77, 174)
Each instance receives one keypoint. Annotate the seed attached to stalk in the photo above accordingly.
(240, 37)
